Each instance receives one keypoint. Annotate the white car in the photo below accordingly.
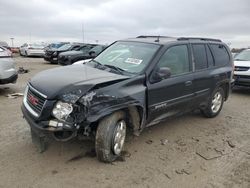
(242, 68)
(32, 50)
(4, 52)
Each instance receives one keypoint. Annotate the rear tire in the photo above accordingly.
(110, 137)
(215, 103)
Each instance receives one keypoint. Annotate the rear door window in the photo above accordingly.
(210, 58)
(220, 53)
(200, 57)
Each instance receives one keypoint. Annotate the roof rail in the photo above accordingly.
(152, 36)
(197, 38)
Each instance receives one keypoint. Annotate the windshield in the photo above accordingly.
(37, 46)
(56, 45)
(85, 49)
(243, 56)
(65, 47)
(131, 57)
(97, 49)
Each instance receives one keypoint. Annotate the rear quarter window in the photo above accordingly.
(220, 53)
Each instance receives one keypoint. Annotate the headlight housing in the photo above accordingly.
(62, 110)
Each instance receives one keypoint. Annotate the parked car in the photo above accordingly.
(55, 45)
(85, 52)
(242, 68)
(51, 55)
(8, 74)
(32, 50)
(5, 45)
(132, 84)
(4, 52)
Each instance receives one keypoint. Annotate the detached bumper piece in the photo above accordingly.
(41, 130)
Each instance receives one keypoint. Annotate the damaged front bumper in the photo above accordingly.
(43, 128)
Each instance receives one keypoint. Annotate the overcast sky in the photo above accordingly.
(110, 20)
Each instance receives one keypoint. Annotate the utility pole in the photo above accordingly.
(12, 41)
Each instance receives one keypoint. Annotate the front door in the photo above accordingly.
(172, 95)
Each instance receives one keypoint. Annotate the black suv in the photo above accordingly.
(51, 54)
(132, 84)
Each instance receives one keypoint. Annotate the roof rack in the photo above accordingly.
(152, 36)
(197, 38)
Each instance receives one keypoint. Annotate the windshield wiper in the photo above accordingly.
(98, 63)
(121, 71)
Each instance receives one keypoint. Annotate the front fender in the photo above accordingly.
(95, 115)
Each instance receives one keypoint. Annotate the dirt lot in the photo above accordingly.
(190, 151)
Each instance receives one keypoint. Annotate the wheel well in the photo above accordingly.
(226, 89)
(134, 115)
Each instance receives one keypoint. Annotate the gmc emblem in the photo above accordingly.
(33, 100)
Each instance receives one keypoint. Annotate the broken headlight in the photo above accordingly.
(62, 110)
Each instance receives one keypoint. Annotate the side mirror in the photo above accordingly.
(92, 53)
(161, 74)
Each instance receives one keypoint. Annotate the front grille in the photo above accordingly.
(239, 68)
(244, 76)
(49, 53)
(35, 100)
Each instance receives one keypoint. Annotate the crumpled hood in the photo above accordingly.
(77, 79)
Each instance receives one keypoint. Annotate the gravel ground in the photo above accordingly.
(190, 151)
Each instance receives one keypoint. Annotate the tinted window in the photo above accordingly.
(176, 59)
(220, 54)
(97, 49)
(210, 58)
(200, 57)
(75, 47)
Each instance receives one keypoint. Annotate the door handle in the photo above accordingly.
(188, 83)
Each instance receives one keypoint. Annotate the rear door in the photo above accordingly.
(203, 77)
(172, 95)
(210, 69)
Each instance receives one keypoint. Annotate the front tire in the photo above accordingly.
(215, 103)
(110, 137)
